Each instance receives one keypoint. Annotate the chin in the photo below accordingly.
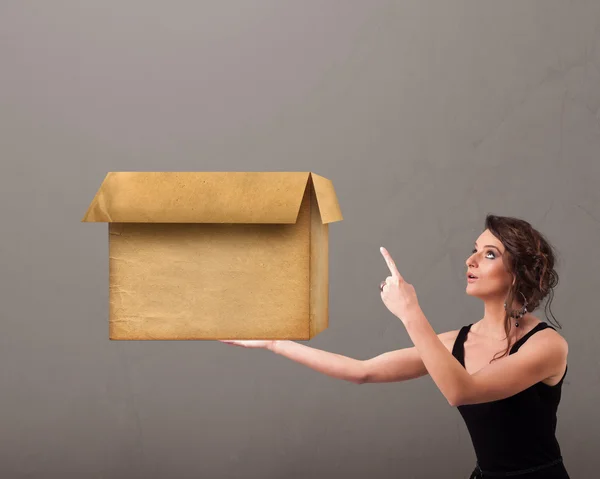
(472, 291)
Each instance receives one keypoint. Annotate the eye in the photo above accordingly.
(488, 252)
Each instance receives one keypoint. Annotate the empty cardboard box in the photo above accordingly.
(217, 255)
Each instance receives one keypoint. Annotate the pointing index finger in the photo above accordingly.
(390, 262)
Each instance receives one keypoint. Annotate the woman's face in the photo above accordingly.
(486, 262)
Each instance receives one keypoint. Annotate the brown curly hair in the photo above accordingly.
(531, 260)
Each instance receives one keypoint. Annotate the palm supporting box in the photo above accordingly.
(217, 255)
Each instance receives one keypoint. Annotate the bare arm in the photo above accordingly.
(331, 364)
(392, 366)
(401, 364)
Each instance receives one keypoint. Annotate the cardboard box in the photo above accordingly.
(217, 255)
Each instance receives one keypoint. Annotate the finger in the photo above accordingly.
(391, 264)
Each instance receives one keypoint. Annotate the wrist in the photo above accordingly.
(272, 346)
(413, 314)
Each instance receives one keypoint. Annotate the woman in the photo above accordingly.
(504, 372)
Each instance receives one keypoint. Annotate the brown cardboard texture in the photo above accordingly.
(217, 255)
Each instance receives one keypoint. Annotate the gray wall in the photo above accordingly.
(425, 115)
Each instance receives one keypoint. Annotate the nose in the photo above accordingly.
(470, 261)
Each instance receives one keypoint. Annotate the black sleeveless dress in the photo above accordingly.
(515, 436)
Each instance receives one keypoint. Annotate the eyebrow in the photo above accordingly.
(491, 246)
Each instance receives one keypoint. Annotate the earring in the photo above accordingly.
(520, 313)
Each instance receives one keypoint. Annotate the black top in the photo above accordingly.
(517, 432)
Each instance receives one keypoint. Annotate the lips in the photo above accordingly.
(471, 276)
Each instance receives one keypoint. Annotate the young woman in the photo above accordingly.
(504, 372)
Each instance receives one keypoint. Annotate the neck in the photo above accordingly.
(492, 323)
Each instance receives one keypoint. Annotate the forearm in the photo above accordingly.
(331, 364)
(449, 375)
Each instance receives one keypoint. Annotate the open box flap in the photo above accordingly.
(208, 197)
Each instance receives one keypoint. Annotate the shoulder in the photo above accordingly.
(548, 334)
(549, 342)
(449, 337)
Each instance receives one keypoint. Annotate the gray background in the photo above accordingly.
(425, 115)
